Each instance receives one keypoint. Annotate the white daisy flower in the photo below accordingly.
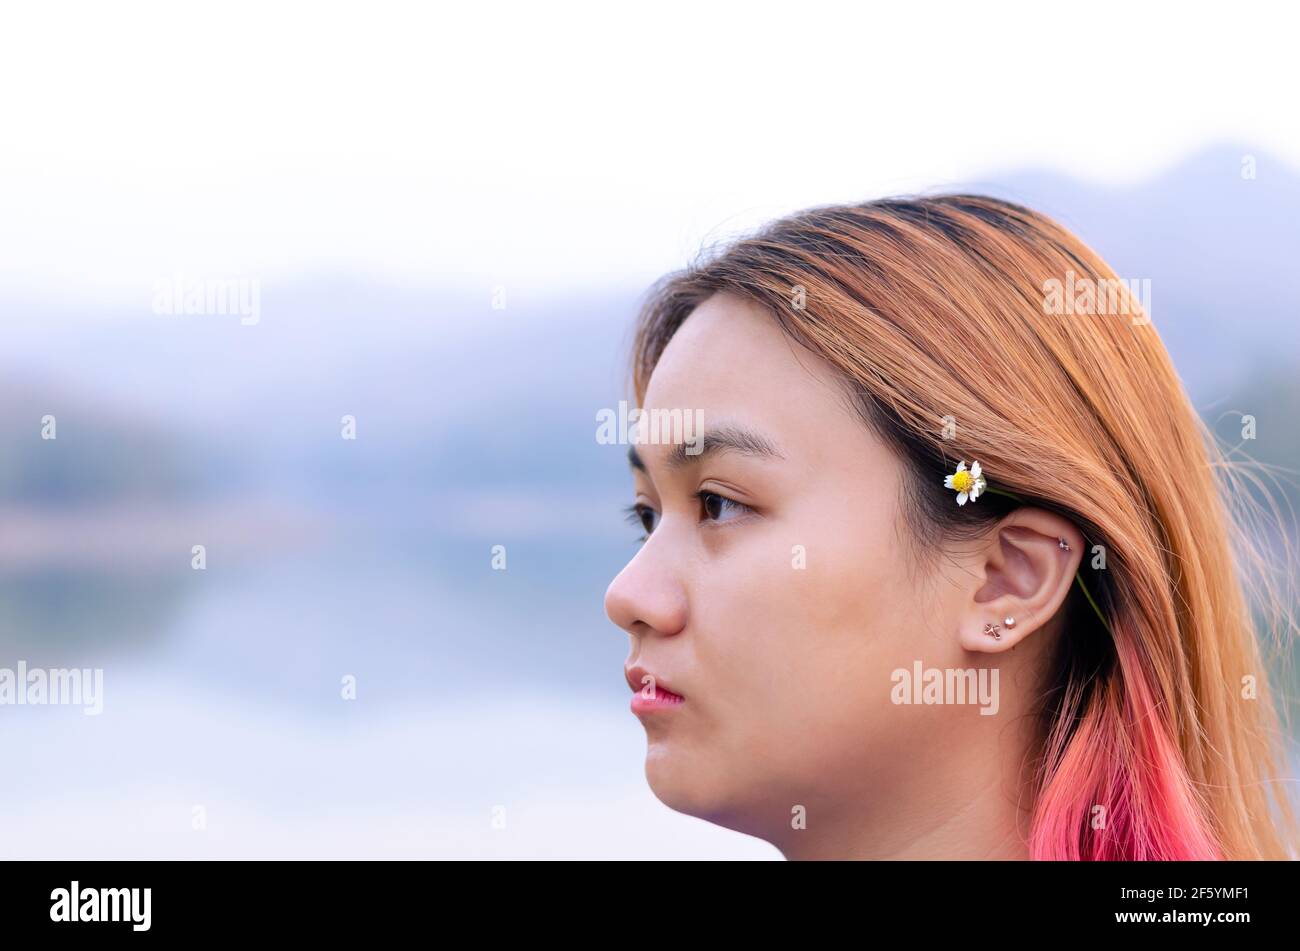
(968, 484)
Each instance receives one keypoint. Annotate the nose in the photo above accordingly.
(647, 596)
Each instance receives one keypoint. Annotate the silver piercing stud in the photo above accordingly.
(1010, 623)
(992, 631)
(1062, 544)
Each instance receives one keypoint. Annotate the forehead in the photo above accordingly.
(731, 360)
(731, 364)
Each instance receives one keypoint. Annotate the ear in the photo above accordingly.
(1023, 572)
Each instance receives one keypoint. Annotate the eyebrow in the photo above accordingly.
(724, 439)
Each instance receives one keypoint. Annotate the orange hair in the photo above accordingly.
(932, 310)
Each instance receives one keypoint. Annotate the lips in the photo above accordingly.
(637, 680)
(663, 702)
(664, 699)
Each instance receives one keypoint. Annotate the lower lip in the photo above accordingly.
(663, 700)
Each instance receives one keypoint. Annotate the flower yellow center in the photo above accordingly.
(963, 481)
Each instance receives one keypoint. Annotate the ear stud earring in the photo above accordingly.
(1062, 544)
(1010, 623)
(992, 630)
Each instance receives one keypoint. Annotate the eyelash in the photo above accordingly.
(635, 513)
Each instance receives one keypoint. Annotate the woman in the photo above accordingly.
(950, 573)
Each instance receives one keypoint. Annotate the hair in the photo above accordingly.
(935, 313)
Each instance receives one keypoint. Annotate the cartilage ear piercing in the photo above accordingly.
(1010, 623)
(992, 630)
(1062, 544)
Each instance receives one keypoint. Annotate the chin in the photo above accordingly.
(676, 782)
(695, 789)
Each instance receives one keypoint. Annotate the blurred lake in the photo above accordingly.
(480, 694)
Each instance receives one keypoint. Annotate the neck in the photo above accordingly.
(969, 800)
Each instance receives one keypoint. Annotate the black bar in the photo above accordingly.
(649, 900)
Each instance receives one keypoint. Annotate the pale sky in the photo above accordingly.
(575, 144)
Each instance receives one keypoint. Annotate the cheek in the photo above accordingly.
(855, 596)
(798, 633)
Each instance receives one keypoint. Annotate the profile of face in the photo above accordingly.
(775, 594)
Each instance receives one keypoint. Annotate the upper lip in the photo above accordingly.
(636, 677)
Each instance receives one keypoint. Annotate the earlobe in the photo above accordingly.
(1029, 561)
(994, 636)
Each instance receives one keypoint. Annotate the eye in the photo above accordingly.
(719, 508)
(643, 515)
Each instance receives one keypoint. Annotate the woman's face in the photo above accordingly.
(778, 603)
